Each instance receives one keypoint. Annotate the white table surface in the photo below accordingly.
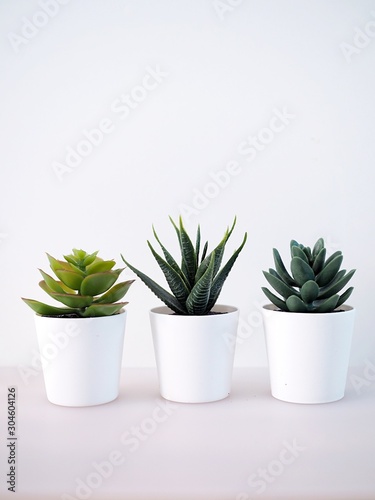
(234, 449)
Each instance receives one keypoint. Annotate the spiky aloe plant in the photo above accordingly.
(85, 284)
(197, 282)
(314, 282)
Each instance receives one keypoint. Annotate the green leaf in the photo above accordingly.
(282, 288)
(69, 278)
(275, 300)
(301, 271)
(47, 310)
(298, 252)
(115, 293)
(329, 271)
(281, 269)
(189, 261)
(331, 257)
(307, 252)
(98, 283)
(220, 278)
(344, 297)
(52, 284)
(100, 266)
(76, 301)
(96, 310)
(79, 254)
(319, 261)
(295, 304)
(89, 259)
(326, 305)
(336, 284)
(58, 264)
(318, 247)
(197, 300)
(168, 299)
(309, 291)
(174, 280)
(198, 244)
(171, 261)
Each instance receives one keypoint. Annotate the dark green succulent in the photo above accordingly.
(314, 282)
(197, 282)
(85, 284)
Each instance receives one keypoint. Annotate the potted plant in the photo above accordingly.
(190, 333)
(81, 343)
(308, 329)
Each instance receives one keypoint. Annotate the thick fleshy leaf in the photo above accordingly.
(100, 266)
(318, 247)
(169, 258)
(295, 304)
(274, 299)
(58, 264)
(98, 283)
(319, 261)
(301, 271)
(281, 269)
(76, 301)
(89, 259)
(198, 244)
(326, 305)
(282, 288)
(69, 278)
(298, 252)
(309, 291)
(344, 297)
(166, 297)
(329, 271)
(340, 280)
(331, 257)
(47, 310)
(197, 300)
(96, 310)
(51, 283)
(115, 293)
(189, 260)
(307, 252)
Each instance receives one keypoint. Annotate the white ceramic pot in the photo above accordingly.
(194, 354)
(81, 358)
(308, 353)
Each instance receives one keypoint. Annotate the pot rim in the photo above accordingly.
(271, 308)
(90, 318)
(166, 311)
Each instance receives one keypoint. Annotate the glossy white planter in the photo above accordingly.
(194, 354)
(81, 358)
(308, 353)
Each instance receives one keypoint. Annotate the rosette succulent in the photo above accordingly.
(197, 282)
(85, 284)
(314, 282)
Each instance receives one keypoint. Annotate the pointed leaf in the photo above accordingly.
(189, 261)
(329, 271)
(301, 271)
(275, 300)
(198, 244)
(168, 299)
(58, 264)
(281, 269)
(174, 280)
(336, 284)
(69, 278)
(115, 293)
(51, 283)
(197, 300)
(282, 288)
(295, 304)
(47, 310)
(76, 301)
(298, 252)
(89, 259)
(344, 297)
(331, 257)
(98, 283)
(96, 310)
(223, 274)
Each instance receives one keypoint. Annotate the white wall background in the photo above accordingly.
(225, 66)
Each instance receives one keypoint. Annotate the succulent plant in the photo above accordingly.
(197, 282)
(314, 282)
(85, 284)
